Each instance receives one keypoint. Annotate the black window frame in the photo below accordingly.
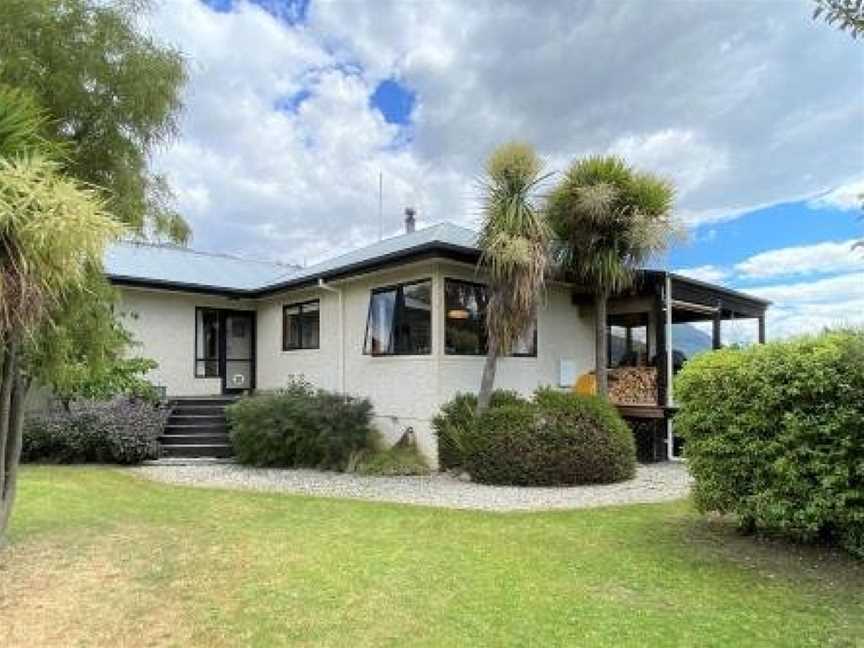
(219, 351)
(300, 305)
(397, 315)
(476, 284)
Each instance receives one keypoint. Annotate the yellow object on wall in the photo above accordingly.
(586, 385)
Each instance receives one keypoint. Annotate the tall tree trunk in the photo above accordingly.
(601, 344)
(8, 368)
(487, 382)
(13, 391)
(12, 458)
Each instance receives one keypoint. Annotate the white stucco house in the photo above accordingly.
(399, 322)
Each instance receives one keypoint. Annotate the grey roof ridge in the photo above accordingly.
(221, 255)
(331, 264)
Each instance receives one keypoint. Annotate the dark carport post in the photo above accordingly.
(716, 339)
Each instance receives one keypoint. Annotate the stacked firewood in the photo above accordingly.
(633, 385)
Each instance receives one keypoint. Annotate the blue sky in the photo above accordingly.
(755, 112)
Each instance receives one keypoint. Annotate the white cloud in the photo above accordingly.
(295, 186)
(848, 196)
(822, 291)
(809, 307)
(681, 155)
(709, 273)
(743, 105)
(822, 258)
(800, 306)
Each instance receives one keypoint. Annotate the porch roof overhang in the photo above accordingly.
(692, 300)
(696, 300)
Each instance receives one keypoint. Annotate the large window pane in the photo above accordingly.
(400, 320)
(465, 328)
(300, 326)
(413, 333)
(379, 328)
(309, 325)
(206, 343)
(464, 305)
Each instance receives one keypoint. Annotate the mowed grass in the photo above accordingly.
(100, 557)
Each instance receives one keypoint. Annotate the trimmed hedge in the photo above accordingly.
(559, 438)
(775, 435)
(300, 427)
(121, 432)
(453, 424)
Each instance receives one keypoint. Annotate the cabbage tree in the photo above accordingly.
(608, 221)
(53, 231)
(513, 240)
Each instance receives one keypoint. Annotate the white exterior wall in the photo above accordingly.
(403, 389)
(406, 391)
(318, 366)
(164, 324)
(563, 333)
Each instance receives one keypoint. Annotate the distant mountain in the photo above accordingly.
(690, 340)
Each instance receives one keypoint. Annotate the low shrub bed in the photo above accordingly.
(300, 426)
(775, 435)
(121, 432)
(454, 424)
(398, 461)
(559, 438)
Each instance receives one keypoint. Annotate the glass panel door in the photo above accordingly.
(239, 351)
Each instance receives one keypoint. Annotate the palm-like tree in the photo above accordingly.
(513, 241)
(608, 220)
(52, 234)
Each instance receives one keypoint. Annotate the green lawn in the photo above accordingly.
(99, 557)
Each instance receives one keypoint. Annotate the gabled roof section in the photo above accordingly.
(444, 239)
(171, 266)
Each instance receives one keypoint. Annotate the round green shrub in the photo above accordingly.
(775, 435)
(299, 427)
(559, 439)
(454, 423)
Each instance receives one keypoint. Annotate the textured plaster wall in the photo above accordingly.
(406, 391)
(164, 324)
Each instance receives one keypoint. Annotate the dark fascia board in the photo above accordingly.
(735, 298)
(179, 286)
(432, 250)
(435, 249)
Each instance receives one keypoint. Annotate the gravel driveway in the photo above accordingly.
(653, 483)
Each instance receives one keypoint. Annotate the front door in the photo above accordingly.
(238, 352)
